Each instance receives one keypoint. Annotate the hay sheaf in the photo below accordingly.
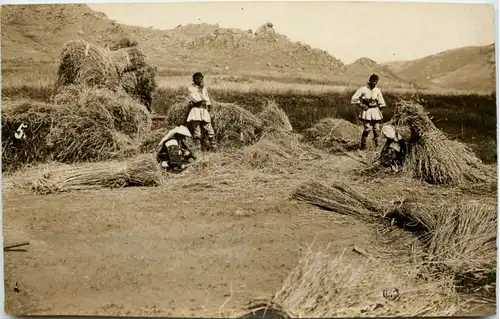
(141, 84)
(123, 42)
(458, 237)
(234, 126)
(326, 285)
(128, 59)
(142, 170)
(334, 135)
(59, 132)
(128, 115)
(272, 116)
(432, 156)
(86, 64)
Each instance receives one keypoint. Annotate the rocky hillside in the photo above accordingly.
(38, 32)
(468, 68)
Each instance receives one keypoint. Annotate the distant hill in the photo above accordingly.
(38, 32)
(468, 68)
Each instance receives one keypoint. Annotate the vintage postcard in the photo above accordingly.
(275, 159)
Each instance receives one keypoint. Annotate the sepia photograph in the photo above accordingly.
(249, 159)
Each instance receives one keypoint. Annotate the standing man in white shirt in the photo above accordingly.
(199, 114)
(370, 99)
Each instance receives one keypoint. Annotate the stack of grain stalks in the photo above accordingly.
(234, 126)
(458, 237)
(122, 68)
(432, 157)
(334, 135)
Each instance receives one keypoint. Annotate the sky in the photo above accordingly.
(383, 31)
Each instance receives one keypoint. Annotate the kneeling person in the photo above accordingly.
(173, 152)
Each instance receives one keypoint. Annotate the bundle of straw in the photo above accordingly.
(340, 198)
(326, 286)
(334, 135)
(128, 59)
(274, 117)
(432, 157)
(84, 63)
(142, 170)
(123, 42)
(141, 84)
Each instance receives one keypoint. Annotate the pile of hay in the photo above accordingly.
(325, 286)
(123, 42)
(234, 126)
(432, 157)
(274, 117)
(82, 63)
(123, 68)
(276, 151)
(129, 116)
(142, 170)
(334, 135)
(59, 132)
(458, 238)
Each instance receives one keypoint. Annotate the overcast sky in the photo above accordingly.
(347, 30)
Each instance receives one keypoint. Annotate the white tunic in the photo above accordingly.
(197, 94)
(373, 113)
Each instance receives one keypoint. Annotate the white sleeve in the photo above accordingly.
(356, 97)
(193, 95)
(380, 99)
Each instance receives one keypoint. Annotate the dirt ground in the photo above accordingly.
(201, 247)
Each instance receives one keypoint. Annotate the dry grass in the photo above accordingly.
(274, 117)
(334, 135)
(129, 116)
(149, 142)
(142, 170)
(341, 198)
(277, 151)
(234, 126)
(123, 42)
(432, 156)
(141, 83)
(324, 285)
(128, 59)
(58, 132)
(86, 64)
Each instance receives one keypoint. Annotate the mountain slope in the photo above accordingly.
(38, 32)
(468, 68)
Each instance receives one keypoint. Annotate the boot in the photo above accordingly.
(364, 136)
(196, 147)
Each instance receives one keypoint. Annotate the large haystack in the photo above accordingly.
(82, 63)
(142, 170)
(432, 156)
(334, 135)
(58, 132)
(129, 116)
(272, 116)
(234, 126)
(128, 59)
(141, 84)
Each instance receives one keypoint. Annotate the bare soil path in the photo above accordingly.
(181, 251)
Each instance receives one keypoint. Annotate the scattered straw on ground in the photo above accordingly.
(324, 285)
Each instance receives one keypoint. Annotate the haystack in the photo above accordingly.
(325, 285)
(58, 132)
(128, 59)
(128, 115)
(334, 135)
(141, 84)
(142, 170)
(234, 126)
(432, 156)
(272, 116)
(86, 64)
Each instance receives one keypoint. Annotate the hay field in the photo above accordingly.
(239, 224)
